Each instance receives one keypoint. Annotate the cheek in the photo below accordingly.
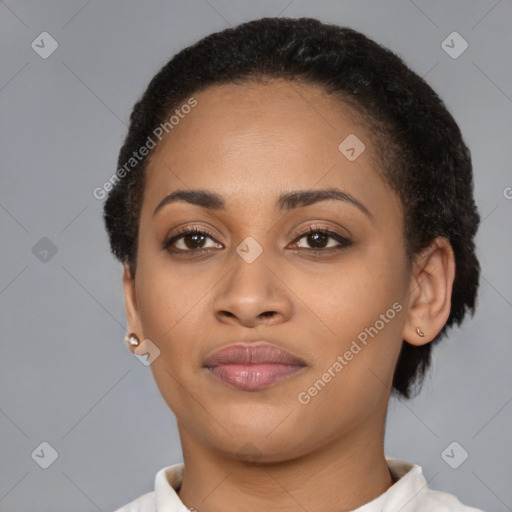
(358, 308)
(170, 297)
(354, 372)
(172, 318)
(349, 295)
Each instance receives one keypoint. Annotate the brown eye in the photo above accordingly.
(318, 240)
(193, 240)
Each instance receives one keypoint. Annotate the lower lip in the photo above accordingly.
(252, 377)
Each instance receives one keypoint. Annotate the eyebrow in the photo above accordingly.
(287, 201)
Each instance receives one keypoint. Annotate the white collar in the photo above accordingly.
(410, 493)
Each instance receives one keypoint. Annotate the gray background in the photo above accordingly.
(67, 377)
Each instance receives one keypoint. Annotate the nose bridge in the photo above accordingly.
(250, 261)
(251, 288)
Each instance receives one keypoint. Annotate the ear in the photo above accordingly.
(430, 292)
(130, 302)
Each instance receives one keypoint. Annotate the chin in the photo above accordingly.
(257, 446)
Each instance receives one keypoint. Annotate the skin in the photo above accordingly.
(249, 143)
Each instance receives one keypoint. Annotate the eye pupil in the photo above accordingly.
(193, 236)
(314, 238)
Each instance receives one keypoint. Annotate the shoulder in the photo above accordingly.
(411, 492)
(144, 503)
(438, 501)
(164, 496)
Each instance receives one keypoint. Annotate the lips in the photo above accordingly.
(251, 354)
(252, 367)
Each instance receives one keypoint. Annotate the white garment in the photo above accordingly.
(409, 494)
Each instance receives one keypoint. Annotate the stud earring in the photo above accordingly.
(132, 340)
(420, 332)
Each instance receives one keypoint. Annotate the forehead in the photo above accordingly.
(250, 142)
(276, 112)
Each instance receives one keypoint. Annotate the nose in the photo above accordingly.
(252, 294)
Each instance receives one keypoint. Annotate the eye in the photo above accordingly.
(193, 240)
(318, 238)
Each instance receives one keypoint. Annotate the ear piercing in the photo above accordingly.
(132, 340)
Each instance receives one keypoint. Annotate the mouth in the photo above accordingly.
(251, 367)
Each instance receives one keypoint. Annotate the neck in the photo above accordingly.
(341, 476)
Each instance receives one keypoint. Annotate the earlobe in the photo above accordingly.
(430, 292)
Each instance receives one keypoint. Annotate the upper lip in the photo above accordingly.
(247, 353)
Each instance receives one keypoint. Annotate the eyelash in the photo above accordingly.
(191, 230)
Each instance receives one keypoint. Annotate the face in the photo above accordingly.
(323, 279)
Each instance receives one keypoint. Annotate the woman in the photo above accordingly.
(294, 211)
